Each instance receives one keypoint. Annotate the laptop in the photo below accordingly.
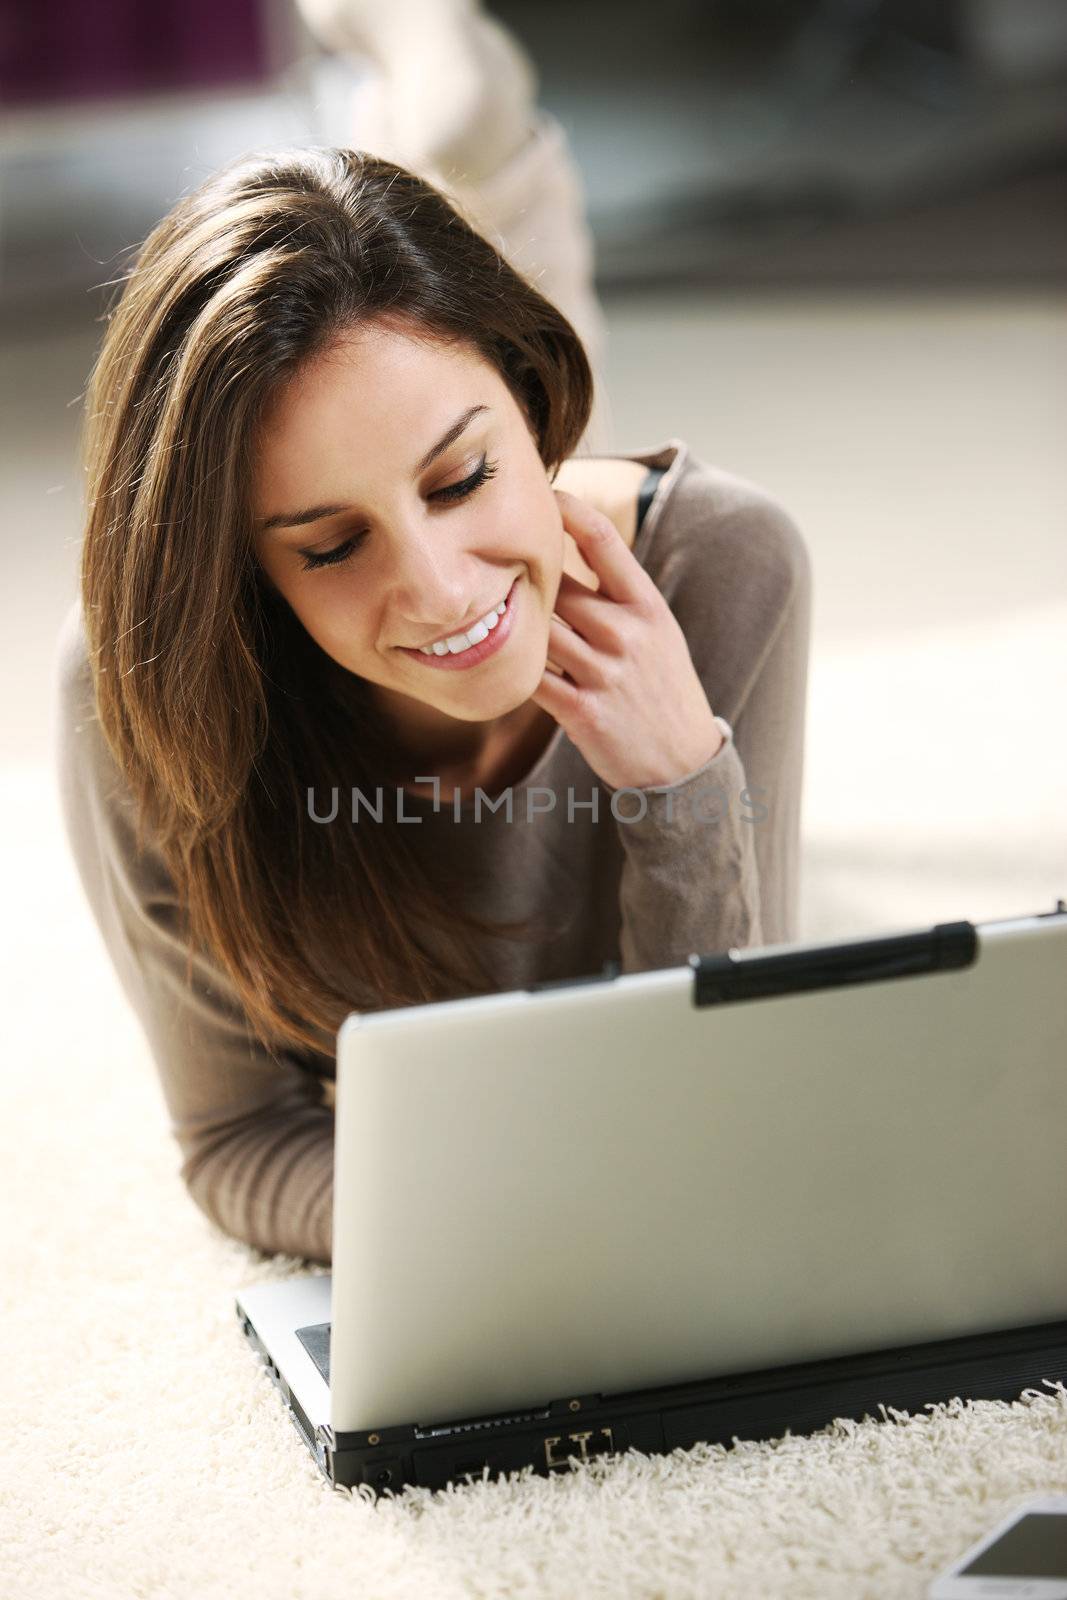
(723, 1200)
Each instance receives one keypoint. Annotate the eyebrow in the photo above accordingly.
(300, 519)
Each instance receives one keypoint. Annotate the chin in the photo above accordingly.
(504, 699)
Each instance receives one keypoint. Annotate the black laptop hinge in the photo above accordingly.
(718, 979)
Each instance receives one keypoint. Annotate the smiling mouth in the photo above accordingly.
(461, 633)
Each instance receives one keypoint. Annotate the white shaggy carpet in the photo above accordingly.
(146, 1455)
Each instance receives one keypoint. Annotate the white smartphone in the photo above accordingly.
(1025, 1555)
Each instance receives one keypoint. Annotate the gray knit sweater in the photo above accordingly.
(641, 877)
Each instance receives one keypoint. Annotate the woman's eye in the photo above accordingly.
(332, 558)
(453, 491)
(458, 491)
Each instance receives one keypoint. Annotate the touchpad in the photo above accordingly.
(316, 1341)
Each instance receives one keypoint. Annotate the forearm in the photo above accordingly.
(268, 1180)
(690, 882)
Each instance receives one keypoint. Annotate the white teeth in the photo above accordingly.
(475, 636)
(458, 642)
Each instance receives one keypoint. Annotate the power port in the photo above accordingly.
(383, 1477)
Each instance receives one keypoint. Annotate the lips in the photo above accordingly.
(451, 634)
(465, 660)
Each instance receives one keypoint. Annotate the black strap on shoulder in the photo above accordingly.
(646, 491)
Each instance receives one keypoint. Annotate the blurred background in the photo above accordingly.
(822, 241)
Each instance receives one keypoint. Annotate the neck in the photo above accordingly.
(483, 755)
(410, 740)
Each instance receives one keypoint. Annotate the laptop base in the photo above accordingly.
(798, 1399)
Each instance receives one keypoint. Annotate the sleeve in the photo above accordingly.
(255, 1135)
(690, 881)
(713, 863)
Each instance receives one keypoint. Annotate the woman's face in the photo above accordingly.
(403, 497)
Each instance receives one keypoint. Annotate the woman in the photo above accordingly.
(328, 429)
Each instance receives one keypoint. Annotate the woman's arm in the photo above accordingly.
(718, 625)
(740, 585)
(255, 1137)
(689, 882)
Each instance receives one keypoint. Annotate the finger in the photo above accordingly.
(577, 658)
(603, 549)
(558, 696)
(581, 607)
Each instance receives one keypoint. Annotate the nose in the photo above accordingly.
(431, 589)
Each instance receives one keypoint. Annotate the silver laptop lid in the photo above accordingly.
(609, 1187)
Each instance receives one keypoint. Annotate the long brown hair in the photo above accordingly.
(215, 701)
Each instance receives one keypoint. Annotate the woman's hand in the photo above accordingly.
(629, 697)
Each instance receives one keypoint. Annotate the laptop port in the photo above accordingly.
(584, 1443)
